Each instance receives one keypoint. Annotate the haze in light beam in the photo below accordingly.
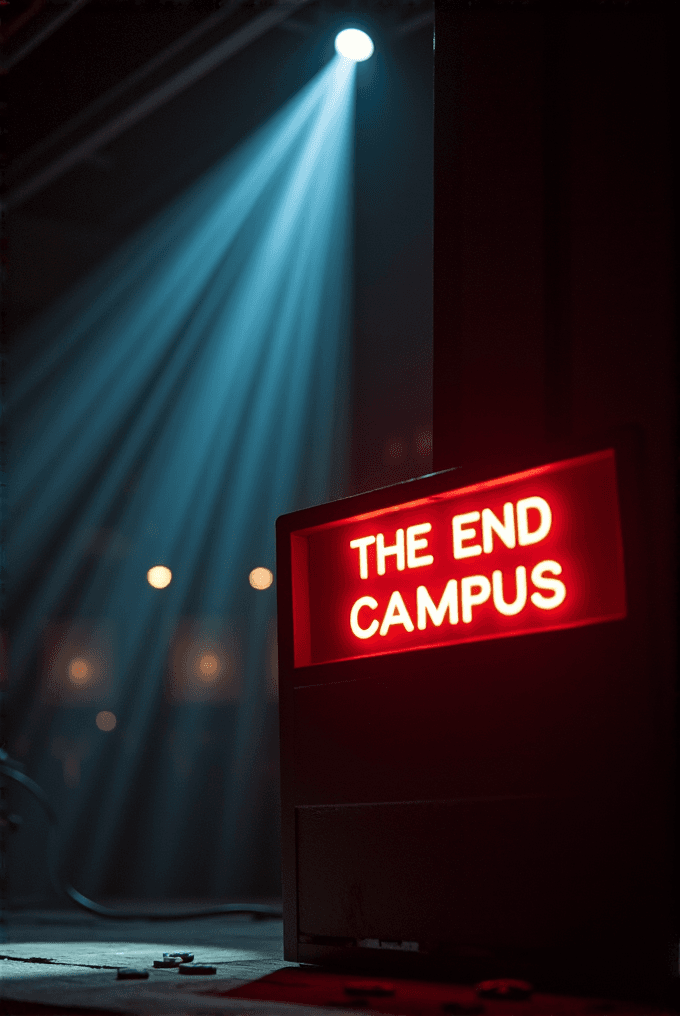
(187, 393)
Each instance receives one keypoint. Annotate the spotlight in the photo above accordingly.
(261, 578)
(159, 576)
(354, 44)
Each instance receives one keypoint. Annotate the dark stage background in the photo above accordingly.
(187, 762)
(554, 322)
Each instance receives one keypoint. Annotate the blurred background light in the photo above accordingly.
(354, 44)
(159, 576)
(261, 578)
(79, 671)
(74, 662)
(105, 720)
(208, 667)
(423, 442)
(394, 449)
(205, 662)
(70, 752)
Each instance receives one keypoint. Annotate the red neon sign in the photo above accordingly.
(536, 551)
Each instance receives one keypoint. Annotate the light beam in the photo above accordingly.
(187, 393)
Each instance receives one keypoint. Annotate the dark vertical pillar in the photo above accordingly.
(553, 209)
(622, 339)
(556, 234)
(489, 320)
(554, 303)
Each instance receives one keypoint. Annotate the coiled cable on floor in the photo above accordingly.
(10, 769)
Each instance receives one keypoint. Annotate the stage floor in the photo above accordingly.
(78, 956)
(61, 962)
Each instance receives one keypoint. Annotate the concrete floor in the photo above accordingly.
(70, 959)
(78, 957)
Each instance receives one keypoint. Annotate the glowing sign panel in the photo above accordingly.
(525, 553)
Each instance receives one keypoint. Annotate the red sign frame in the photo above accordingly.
(534, 551)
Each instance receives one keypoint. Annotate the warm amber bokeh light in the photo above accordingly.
(261, 578)
(159, 576)
(208, 667)
(79, 671)
(106, 720)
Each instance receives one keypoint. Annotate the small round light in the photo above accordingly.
(79, 671)
(106, 720)
(159, 576)
(354, 44)
(261, 578)
(208, 667)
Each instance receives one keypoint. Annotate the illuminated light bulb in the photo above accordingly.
(261, 578)
(354, 44)
(159, 576)
(79, 671)
(208, 667)
(106, 720)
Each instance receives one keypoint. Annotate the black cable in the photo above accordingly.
(63, 888)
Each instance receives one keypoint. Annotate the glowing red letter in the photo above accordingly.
(557, 587)
(449, 601)
(521, 597)
(468, 599)
(413, 546)
(504, 529)
(397, 549)
(396, 613)
(462, 535)
(362, 544)
(363, 633)
(543, 508)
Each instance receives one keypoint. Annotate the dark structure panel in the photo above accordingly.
(506, 807)
(555, 190)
